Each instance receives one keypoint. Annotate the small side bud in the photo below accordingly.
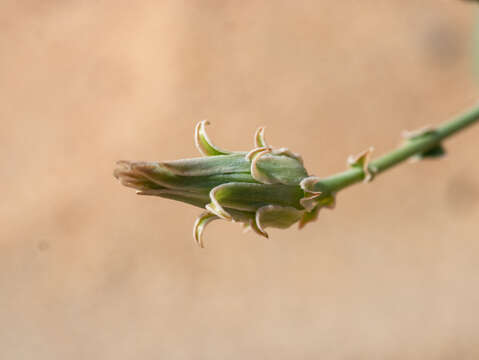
(435, 152)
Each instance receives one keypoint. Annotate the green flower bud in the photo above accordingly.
(262, 188)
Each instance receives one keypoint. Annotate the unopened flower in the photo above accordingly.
(262, 188)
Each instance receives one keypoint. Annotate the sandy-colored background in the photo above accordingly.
(88, 270)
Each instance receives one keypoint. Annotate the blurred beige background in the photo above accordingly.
(88, 270)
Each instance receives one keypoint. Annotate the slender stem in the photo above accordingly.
(414, 146)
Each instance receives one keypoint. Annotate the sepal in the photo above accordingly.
(308, 217)
(316, 196)
(203, 142)
(199, 227)
(259, 140)
(273, 167)
(254, 155)
(205, 166)
(250, 197)
(280, 217)
(215, 207)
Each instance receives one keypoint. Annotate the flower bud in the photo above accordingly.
(262, 188)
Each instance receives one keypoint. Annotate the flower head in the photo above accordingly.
(262, 188)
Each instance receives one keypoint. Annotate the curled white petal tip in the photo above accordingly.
(215, 207)
(203, 142)
(259, 140)
(256, 224)
(251, 154)
(255, 172)
(289, 153)
(200, 224)
(218, 211)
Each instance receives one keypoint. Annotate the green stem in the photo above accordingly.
(412, 147)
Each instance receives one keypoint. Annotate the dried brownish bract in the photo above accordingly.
(414, 134)
(261, 188)
(361, 161)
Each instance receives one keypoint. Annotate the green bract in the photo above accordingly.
(262, 188)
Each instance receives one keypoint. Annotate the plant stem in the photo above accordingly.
(411, 147)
